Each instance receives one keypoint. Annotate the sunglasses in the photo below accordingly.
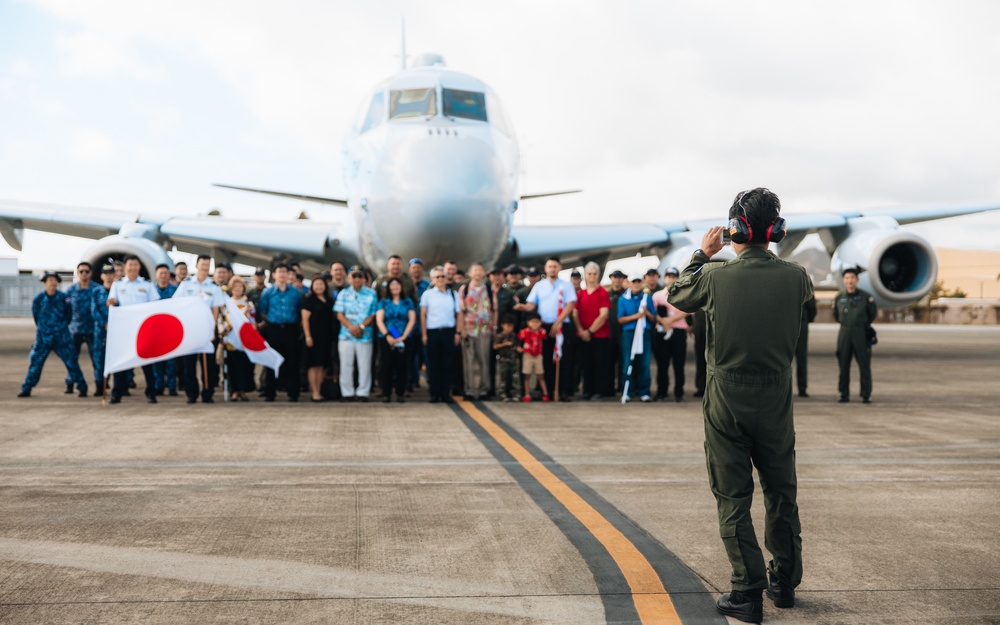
(83, 271)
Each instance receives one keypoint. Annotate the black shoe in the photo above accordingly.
(115, 400)
(660, 398)
(126, 393)
(596, 397)
(467, 398)
(803, 394)
(363, 399)
(866, 400)
(843, 400)
(780, 593)
(132, 384)
(191, 400)
(172, 393)
(387, 399)
(742, 606)
(448, 399)
(268, 398)
(347, 400)
(69, 389)
(678, 399)
(565, 398)
(24, 394)
(432, 400)
(83, 392)
(207, 400)
(699, 394)
(151, 399)
(400, 400)
(98, 392)
(293, 400)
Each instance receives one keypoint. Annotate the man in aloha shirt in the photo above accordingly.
(477, 312)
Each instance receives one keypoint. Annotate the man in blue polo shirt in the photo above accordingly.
(554, 300)
(280, 312)
(633, 305)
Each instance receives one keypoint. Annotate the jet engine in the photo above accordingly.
(899, 266)
(117, 247)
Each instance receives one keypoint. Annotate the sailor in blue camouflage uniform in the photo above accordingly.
(165, 371)
(81, 298)
(99, 312)
(52, 312)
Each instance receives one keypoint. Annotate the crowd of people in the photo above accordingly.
(507, 333)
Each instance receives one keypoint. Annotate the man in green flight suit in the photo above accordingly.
(855, 310)
(753, 307)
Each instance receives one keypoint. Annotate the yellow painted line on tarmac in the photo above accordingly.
(650, 597)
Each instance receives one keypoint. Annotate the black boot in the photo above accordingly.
(779, 592)
(69, 389)
(746, 606)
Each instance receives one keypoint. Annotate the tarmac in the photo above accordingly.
(486, 512)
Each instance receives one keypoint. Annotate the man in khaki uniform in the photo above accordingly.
(753, 307)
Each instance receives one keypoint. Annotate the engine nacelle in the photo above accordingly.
(117, 247)
(899, 266)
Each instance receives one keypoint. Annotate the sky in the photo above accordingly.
(659, 110)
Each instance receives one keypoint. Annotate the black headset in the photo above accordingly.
(741, 232)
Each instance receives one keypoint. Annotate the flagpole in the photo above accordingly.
(104, 393)
(225, 372)
(204, 371)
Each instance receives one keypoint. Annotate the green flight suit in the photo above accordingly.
(802, 347)
(855, 312)
(753, 308)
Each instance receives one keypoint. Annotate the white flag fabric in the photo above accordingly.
(557, 350)
(640, 327)
(245, 337)
(142, 334)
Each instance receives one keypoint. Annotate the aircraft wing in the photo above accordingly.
(240, 240)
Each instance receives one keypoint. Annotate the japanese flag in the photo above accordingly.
(146, 333)
(245, 337)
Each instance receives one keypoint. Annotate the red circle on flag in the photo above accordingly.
(251, 338)
(158, 335)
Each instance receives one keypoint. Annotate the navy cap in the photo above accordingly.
(671, 271)
(534, 271)
(497, 270)
(356, 269)
(575, 274)
(108, 269)
(51, 274)
(416, 261)
(617, 273)
(514, 269)
(652, 272)
(260, 271)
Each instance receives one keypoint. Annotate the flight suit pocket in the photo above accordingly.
(731, 541)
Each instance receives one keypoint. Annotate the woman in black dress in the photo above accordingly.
(317, 324)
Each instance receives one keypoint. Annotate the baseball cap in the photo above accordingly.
(416, 261)
(575, 274)
(534, 271)
(671, 271)
(635, 277)
(51, 274)
(108, 269)
(652, 272)
(515, 269)
(260, 271)
(356, 269)
(617, 273)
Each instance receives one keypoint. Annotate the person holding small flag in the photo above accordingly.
(636, 318)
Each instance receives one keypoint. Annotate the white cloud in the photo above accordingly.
(94, 55)
(90, 146)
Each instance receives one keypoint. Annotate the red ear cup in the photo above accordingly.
(739, 230)
(776, 231)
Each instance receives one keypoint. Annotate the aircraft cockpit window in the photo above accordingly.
(464, 104)
(412, 103)
(376, 112)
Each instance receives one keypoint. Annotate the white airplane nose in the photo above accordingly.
(438, 194)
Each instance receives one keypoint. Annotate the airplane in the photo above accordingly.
(431, 170)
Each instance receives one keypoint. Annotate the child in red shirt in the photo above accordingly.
(531, 362)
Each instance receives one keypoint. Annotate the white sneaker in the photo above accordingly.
(646, 399)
